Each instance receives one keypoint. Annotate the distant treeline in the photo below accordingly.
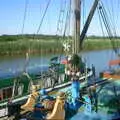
(20, 44)
(101, 37)
(27, 36)
(45, 37)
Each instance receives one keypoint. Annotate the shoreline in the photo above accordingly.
(44, 53)
(50, 46)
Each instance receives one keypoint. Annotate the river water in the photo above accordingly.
(13, 65)
(10, 66)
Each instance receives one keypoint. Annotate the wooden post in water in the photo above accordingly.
(76, 41)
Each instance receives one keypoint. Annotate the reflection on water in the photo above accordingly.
(14, 65)
(99, 59)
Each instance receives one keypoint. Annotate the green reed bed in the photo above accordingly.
(11, 45)
(34, 46)
(100, 44)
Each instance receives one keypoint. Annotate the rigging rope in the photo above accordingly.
(23, 25)
(64, 29)
(67, 28)
(25, 13)
(108, 26)
(60, 21)
(83, 1)
(101, 22)
(43, 16)
(118, 6)
(111, 15)
(61, 18)
(39, 27)
(26, 5)
(67, 23)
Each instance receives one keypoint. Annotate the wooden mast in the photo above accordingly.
(76, 39)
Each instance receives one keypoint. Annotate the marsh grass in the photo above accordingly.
(11, 45)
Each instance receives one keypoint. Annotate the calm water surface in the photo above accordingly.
(14, 65)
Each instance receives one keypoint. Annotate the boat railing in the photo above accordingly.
(52, 77)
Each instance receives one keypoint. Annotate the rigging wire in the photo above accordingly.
(67, 29)
(60, 13)
(16, 81)
(61, 19)
(84, 12)
(110, 14)
(67, 23)
(113, 17)
(101, 24)
(118, 7)
(100, 21)
(83, 1)
(24, 19)
(25, 13)
(39, 27)
(84, 18)
(40, 24)
(113, 33)
(108, 27)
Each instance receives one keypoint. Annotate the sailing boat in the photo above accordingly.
(19, 88)
(73, 63)
(57, 108)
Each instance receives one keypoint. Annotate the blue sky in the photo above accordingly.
(12, 12)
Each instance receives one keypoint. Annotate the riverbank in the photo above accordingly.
(19, 45)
